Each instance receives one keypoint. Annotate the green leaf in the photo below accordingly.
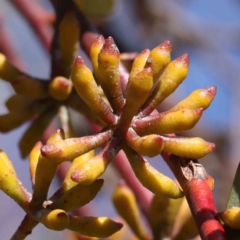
(234, 197)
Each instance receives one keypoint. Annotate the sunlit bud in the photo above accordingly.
(138, 90)
(94, 51)
(187, 147)
(57, 220)
(10, 184)
(172, 77)
(150, 145)
(168, 122)
(108, 74)
(4, 158)
(33, 160)
(100, 227)
(139, 63)
(45, 171)
(159, 58)
(69, 149)
(88, 172)
(200, 98)
(87, 89)
(68, 183)
(150, 178)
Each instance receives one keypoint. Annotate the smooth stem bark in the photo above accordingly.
(194, 181)
(25, 228)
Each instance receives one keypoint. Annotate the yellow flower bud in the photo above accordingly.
(67, 150)
(33, 160)
(126, 205)
(231, 217)
(172, 77)
(88, 172)
(168, 122)
(150, 178)
(77, 196)
(57, 220)
(200, 98)
(139, 63)
(159, 58)
(94, 51)
(150, 145)
(108, 74)
(187, 147)
(138, 90)
(87, 89)
(68, 183)
(101, 227)
(45, 171)
(60, 88)
(10, 184)
(69, 33)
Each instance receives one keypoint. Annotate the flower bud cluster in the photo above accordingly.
(130, 123)
(53, 212)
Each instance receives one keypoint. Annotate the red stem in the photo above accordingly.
(195, 183)
(143, 195)
(38, 18)
(201, 202)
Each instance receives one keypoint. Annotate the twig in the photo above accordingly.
(39, 19)
(143, 195)
(25, 228)
(194, 181)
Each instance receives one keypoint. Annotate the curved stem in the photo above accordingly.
(25, 228)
